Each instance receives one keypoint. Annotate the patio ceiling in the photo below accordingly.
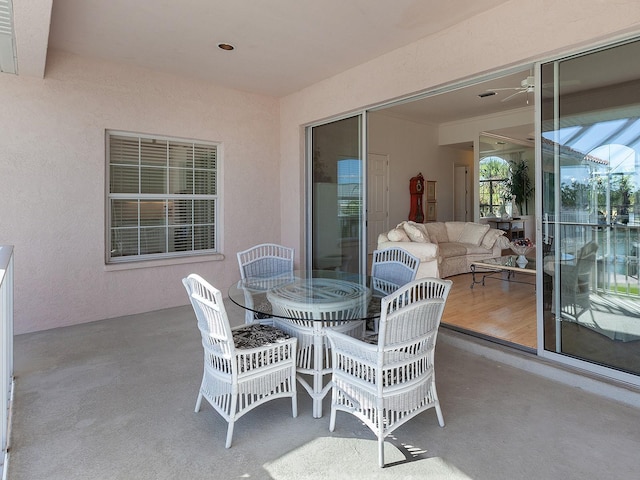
(282, 46)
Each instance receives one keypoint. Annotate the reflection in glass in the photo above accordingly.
(591, 207)
(337, 205)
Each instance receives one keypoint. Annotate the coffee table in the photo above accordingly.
(489, 267)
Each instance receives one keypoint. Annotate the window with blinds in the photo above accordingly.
(162, 197)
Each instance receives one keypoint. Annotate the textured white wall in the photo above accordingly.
(412, 148)
(514, 33)
(52, 194)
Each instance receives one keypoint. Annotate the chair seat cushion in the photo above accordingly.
(257, 335)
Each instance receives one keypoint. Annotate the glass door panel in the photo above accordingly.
(590, 108)
(337, 196)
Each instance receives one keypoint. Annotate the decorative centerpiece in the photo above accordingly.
(522, 247)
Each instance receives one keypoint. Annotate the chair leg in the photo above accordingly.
(294, 404)
(232, 417)
(437, 405)
(381, 451)
(198, 402)
(229, 433)
(439, 414)
(332, 418)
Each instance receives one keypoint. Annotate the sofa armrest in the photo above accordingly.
(424, 251)
(502, 243)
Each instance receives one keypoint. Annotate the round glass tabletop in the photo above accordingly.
(319, 295)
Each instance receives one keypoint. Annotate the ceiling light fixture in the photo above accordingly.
(226, 46)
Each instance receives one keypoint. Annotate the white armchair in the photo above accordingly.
(266, 260)
(388, 383)
(244, 367)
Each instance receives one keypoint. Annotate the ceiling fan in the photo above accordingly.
(526, 86)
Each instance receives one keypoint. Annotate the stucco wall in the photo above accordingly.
(516, 32)
(52, 195)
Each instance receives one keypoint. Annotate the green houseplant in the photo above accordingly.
(519, 184)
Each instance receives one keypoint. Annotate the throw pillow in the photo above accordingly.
(490, 237)
(398, 235)
(415, 233)
(437, 232)
(473, 233)
(454, 230)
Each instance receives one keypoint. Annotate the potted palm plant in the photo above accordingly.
(519, 184)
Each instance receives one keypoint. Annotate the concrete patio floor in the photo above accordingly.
(114, 400)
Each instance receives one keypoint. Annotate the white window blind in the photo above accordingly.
(162, 197)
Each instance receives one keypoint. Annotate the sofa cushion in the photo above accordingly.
(491, 236)
(477, 249)
(473, 233)
(416, 232)
(454, 229)
(426, 252)
(452, 249)
(398, 235)
(437, 232)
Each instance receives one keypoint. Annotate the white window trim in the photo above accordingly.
(157, 259)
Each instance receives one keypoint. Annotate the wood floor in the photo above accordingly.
(499, 309)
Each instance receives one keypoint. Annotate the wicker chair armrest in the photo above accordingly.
(353, 347)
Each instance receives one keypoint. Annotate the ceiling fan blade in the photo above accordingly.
(512, 95)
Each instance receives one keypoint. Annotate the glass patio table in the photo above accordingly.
(304, 303)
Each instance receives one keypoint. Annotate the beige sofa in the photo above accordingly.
(445, 248)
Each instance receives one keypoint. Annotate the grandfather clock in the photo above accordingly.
(416, 189)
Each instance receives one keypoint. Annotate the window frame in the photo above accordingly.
(494, 184)
(215, 225)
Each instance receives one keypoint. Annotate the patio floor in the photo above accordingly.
(114, 400)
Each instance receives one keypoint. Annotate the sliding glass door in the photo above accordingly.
(590, 143)
(336, 196)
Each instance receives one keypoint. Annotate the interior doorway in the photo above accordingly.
(462, 194)
(377, 198)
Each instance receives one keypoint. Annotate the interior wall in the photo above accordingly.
(53, 184)
(461, 156)
(412, 148)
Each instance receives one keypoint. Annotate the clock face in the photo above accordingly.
(419, 186)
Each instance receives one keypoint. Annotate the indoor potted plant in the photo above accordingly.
(519, 184)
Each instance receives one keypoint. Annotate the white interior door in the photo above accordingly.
(377, 198)
(461, 193)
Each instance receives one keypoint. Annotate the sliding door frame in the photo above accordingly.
(308, 184)
(557, 355)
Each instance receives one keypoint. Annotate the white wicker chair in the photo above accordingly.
(391, 268)
(575, 282)
(263, 261)
(388, 383)
(244, 367)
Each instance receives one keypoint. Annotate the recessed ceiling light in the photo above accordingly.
(226, 46)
